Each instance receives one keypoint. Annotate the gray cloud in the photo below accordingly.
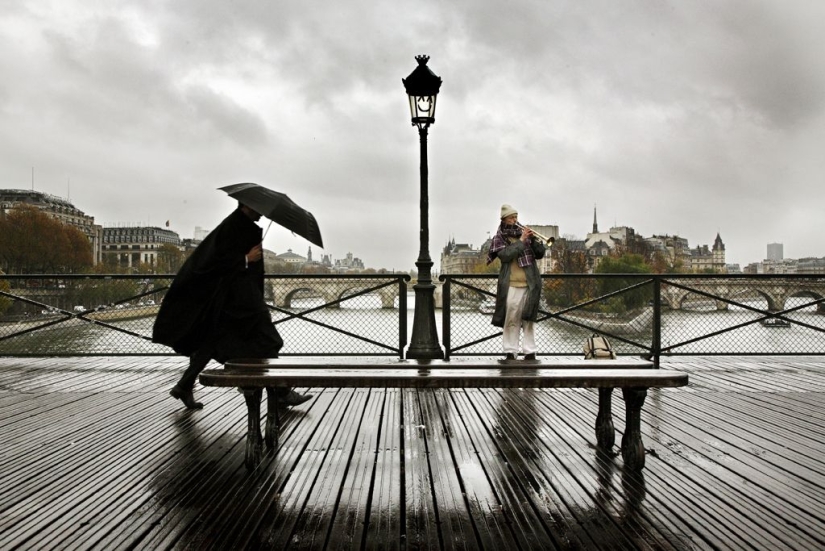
(673, 117)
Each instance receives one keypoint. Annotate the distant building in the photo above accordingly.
(704, 259)
(290, 258)
(200, 233)
(461, 258)
(58, 208)
(673, 248)
(600, 244)
(349, 264)
(676, 250)
(775, 252)
(784, 266)
(128, 247)
(810, 266)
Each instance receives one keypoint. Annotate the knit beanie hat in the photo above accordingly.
(507, 210)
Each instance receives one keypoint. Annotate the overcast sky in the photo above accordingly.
(672, 117)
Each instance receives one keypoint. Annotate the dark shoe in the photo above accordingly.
(294, 399)
(530, 357)
(509, 357)
(185, 396)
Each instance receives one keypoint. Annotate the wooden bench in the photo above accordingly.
(633, 376)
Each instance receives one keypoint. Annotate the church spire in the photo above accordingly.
(595, 224)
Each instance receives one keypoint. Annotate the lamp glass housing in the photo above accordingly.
(422, 109)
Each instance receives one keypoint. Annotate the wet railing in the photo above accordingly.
(96, 315)
(649, 315)
(340, 315)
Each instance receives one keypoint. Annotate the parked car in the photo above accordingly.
(79, 308)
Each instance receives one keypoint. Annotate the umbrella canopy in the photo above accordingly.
(279, 208)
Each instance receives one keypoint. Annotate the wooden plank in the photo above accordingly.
(752, 511)
(575, 484)
(351, 514)
(383, 529)
(123, 500)
(490, 517)
(284, 508)
(300, 518)
(455, 524)
(732, 462)
(503, 504)
(234, 511)
(314, 527)
(631, 499)
(85, 478)
(419, 514)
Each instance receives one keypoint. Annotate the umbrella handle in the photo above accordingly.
(267, 231)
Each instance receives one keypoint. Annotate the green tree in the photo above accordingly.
(565, 292)
(624, 264)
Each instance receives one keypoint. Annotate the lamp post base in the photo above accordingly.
(424, 341)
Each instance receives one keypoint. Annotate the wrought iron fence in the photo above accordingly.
(650, 315)
(642, 314)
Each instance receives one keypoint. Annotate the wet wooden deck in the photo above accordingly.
(96, 455)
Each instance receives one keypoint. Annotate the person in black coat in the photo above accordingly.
(215, 307)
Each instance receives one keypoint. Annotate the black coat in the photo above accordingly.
(215, 301)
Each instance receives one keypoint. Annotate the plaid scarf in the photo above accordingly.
(501, 240)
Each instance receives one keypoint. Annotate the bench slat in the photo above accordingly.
(443, 378)
(469, 362)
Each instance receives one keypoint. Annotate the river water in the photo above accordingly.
(342, 330)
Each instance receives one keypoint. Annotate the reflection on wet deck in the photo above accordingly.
(96, 455)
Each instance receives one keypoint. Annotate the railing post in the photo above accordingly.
(656, 345)
(402, 317)
(445, 315)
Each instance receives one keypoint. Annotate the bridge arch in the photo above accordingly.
(283, 292)
(805, 293)
(285, 300)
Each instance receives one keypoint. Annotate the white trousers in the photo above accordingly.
(516, 297)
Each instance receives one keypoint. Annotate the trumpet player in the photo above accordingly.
(518, 290)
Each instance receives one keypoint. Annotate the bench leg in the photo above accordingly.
(273, 419)
(254, 443)
(605, 432)
(633, 450)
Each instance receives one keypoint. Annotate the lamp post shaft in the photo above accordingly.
(424, 242)
(424, 340)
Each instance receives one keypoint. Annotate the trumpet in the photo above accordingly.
(548, 241)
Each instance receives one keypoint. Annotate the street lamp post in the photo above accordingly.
(422, 88)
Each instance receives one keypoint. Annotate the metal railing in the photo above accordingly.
(368, 315)
(93, 315)
(650, 315)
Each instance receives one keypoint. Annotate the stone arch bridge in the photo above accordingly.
(775, 292)
(332, 290)
(674, 294)
(284, 290)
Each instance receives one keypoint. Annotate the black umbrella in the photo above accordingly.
(279, 208)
